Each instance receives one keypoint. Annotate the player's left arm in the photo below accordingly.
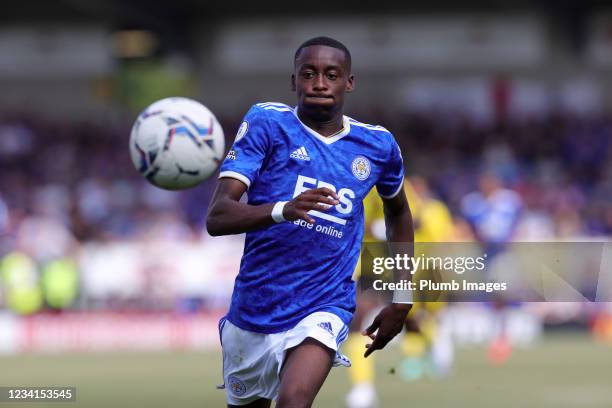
(390, 320)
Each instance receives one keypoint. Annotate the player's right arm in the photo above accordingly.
(253, 145)
(227, 215)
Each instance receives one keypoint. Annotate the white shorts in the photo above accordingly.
(252, 361)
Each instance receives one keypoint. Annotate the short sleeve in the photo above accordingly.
(392, 178)
(245, 158)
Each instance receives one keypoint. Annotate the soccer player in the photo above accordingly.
(432, 222)
(306, 170)
(493, 213)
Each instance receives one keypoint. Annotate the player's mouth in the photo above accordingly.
(319, 99)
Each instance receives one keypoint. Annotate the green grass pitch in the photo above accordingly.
(560, 371)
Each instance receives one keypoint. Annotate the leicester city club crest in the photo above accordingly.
(361, 168)
(236, 386)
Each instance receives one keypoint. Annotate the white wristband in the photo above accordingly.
(402, 296)
(277, 211)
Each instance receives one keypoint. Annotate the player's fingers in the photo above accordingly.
(371, 336)
(321, 207)
(307, 196)
(304, 216)
(314, 206)
(325, 191)
(318, 198)
(379, 343)
(382, 339)
(327, 200)
(371, 328)
(305, 206)
(374, 346)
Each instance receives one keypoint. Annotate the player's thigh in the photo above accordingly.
(305, 368)
(260, 403)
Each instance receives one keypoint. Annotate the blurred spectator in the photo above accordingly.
(44, 238)
(4, 217)
(20, 281)
(59, 283)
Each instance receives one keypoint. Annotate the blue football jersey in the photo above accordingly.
(292, 269)
(494, 218)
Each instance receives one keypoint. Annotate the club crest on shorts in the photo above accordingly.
(361, 168)
(236, 386)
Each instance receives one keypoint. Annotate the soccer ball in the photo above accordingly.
(176, 143)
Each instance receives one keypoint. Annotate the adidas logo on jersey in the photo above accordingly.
(327, 327)
(300, 154)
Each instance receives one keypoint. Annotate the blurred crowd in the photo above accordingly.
(65, 184)
(79, 177)
(559, 165)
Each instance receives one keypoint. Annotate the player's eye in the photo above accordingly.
(332, 76)
(308, 74)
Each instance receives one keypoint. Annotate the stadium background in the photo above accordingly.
(112, 285)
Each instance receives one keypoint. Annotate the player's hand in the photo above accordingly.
(319, 199)
(389, 323)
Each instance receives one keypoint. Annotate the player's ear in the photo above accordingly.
(350, 84)
(293, 82)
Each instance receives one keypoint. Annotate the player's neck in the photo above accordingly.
(327, 127)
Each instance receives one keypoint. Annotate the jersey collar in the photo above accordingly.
(326, 139)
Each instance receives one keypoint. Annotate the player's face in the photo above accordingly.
(321, 78)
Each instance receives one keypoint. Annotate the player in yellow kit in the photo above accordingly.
(433, 223)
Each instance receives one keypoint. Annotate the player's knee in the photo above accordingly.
(294, 397)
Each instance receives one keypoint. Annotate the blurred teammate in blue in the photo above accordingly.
(307, 170)
(493, 214)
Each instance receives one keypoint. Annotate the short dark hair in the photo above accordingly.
(328, 42)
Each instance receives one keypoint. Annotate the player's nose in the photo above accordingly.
(319, 83)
